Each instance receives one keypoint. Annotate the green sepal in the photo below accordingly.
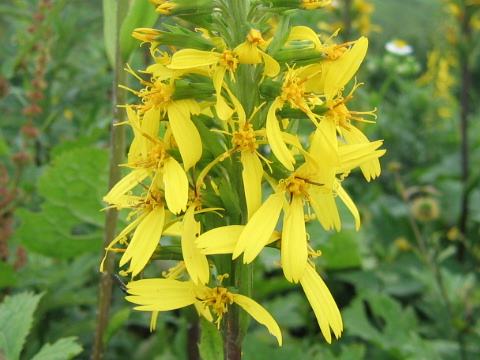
(181, 37)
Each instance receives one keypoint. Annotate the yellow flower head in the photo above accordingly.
(314, 4)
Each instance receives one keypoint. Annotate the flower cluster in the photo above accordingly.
(227, 114)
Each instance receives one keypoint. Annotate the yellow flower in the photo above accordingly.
(314, 4)
(249, 53)
(188, 59)
(157, 98)
(167, 294)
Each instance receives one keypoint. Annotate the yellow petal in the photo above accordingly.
(261, 315)
(304, 33)
(274, 137)
(125, 185)
(349, 203)
(144, 241)
(160, 294)
(259, 228)
(322, 303)
(185, 132)
(323, 204)
(272, 67)
(294, 253)
(248, 53)
(191, 58)
(196, 262)
(342, 70)
(176, 186)
(203, 310)
(323, 148)
(252, 181)
(221, 240)
(224, 111)
(371, 168)
(150, 126)
(352, 156)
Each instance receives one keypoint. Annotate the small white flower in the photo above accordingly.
(398, 47)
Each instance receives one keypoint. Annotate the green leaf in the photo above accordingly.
(211, 344)
(4, 151)
(109, 27)
(62, 349)
(140, 14)
(110, 17)
(341, 251)
(70, 222)
(16, 317)
(8, 276)
(115, 323)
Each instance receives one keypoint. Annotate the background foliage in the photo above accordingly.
(407, 283)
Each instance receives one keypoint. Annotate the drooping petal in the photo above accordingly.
(144, 241)
(325, 208)
(248, 53)
(191, 58)
(126, 184)
(224, 111)
(294, 252)
(261, 315)
(371, 168)
(186, 134)
(196, 262)
(272, 67)
(160, 294)
(274, 137)
(304, 33)
(352, 156)
(252, 181)
(341, 71)
(259, 228)
(176, 186)
(221, 240)
(347, 200)
(322, 303)
(150, 126)
(325, 152)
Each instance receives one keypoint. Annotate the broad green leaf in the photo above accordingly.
(16, 317)
(141, 14)
(70, 222)
(62, 349)
(211, 344)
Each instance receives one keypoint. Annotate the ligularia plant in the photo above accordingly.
(219, 169)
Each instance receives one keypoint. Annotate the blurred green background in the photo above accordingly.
(407, 283)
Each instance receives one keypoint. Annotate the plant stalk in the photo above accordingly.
(464, 110)
(117, 146)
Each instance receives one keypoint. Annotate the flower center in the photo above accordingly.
(244, 138)
(157, 95)
(218, 299)
(229, 60)
(255, 37)
(296, 185)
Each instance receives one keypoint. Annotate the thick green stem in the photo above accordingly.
(235, 321)
(117, 146)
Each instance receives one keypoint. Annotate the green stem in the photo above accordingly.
(117, 146)
(235, 321)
